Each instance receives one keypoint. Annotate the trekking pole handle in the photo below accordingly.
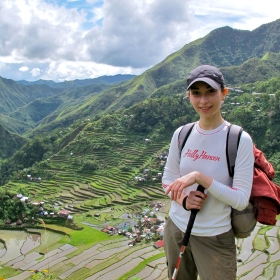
(191, 220)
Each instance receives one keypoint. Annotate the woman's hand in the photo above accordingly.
(195, 200)
(177, 187)
(180, 184)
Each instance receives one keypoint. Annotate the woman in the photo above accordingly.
(211, 252)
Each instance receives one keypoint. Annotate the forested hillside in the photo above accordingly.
(9, 143)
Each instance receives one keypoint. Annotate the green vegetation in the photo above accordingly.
(88, 236)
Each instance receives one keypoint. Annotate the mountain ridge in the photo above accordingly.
(238, 47)
(106, 80)
(59, 108)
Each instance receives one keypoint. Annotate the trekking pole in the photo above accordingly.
(186, 236)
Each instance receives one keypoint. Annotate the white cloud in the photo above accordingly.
(71, 70)
(139, 33)
(239, 14)
(37, 30)
(23, 69)
(89, 38)
(35, 72)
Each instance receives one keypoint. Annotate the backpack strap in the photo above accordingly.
(233, 139)
(184, 135)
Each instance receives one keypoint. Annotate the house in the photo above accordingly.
(159, 244)
(140, 179)
(24, 199)
(109, 229)
(131, 243)
(63, 213)
(128, 234)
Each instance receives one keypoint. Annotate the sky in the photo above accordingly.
(80, 39)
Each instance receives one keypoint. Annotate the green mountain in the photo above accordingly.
(244, 56)
(116, 160)
(102, 80)
(254, 69)
(9, 143)
(30, 103)
(14, 96)
(45, 109)
(14, 125)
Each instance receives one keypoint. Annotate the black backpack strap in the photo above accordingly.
(184, 135)
(233, 138)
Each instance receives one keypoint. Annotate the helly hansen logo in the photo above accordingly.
(196, 154)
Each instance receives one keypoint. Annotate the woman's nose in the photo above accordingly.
(204, 98)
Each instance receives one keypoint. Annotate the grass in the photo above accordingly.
(88, 236)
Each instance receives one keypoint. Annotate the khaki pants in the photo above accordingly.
(212, 258)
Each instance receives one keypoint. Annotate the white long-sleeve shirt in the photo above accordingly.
(205, 151)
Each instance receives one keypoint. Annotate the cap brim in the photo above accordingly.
(208, 81)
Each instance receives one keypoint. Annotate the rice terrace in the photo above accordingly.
(97, 200)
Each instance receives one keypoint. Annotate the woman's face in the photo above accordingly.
(206, 100)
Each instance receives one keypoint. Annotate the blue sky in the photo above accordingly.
(67, 39)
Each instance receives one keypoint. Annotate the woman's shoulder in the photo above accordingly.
(245, 136)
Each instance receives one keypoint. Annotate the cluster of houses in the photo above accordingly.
(145, 176)
(42, 212)
(162, 160)
(149, 228)
(30, 178)
(235, 89)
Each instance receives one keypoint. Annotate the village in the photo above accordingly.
(148, 227)
(38, 211)
(145, 227)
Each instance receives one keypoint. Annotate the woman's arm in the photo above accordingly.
(237, 195)
(172, 167)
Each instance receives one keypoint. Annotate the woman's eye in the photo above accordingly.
(212, 90)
